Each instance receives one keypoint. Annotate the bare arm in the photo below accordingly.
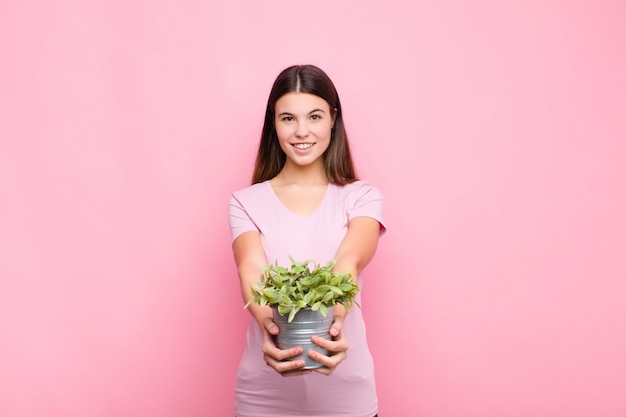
(355, 252)
(358, 246)
(249, 256)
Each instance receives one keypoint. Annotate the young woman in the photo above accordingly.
(305, 201)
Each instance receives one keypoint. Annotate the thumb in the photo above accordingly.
(270, 326)
(337, 326)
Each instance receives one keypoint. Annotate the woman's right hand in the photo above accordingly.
(249, 255)
(275, 357)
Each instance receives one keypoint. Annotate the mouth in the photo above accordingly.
(302, 146)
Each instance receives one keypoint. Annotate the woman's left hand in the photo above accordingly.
(337, 346)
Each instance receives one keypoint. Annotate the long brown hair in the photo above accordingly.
(271, 158)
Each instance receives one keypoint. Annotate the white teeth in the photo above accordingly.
(303, 145)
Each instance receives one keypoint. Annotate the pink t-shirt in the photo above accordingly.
(350, 390)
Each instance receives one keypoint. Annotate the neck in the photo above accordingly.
(313, 174)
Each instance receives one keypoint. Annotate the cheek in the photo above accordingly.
(323, 131)
(283, 133)
(283, 139)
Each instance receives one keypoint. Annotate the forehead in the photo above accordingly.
(300, 103)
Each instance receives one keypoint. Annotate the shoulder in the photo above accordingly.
(357, 194)
(362, 199)
(251, 192)
(358, 189)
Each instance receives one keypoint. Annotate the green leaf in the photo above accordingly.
(281, 270)
(298, 269)
(291, 289)
(292, 314)
(270, 292)
(324, 310)
(336, 290)
(282, 310)
(329, 296)
(309, 297)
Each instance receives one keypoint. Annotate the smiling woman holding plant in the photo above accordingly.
(305, 202)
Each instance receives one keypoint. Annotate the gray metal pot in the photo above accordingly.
(305, 324)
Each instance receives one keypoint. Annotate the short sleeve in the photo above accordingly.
(367, 202)
(239, 220)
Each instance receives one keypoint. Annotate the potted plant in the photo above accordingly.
(301, 299)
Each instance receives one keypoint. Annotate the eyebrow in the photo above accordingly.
(285, 113)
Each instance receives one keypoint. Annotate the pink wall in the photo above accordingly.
(495, 129)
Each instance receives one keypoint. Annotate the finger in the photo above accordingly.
(330, 362)
(287, 368)
(270, 349)
(340, 344)
(337, 326)
(270, 326)
(281, 355)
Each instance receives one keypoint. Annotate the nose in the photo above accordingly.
(302, 130)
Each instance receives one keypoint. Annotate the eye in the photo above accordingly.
(287, 119)
(316, 117)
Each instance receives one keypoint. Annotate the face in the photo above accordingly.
(303, 124)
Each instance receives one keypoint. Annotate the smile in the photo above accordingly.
(302, 145)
